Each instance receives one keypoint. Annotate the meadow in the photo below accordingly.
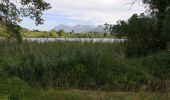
(60, 67)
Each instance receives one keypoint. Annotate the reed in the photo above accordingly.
(94, 66)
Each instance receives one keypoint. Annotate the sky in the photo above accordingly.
(84, 12)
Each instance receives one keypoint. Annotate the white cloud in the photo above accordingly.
(96, 11)
(72, 12)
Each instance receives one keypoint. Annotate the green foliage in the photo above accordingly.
(2, 30)
(16, 89)
(120, 28)
(100, 66)
(61, 33)
(160, 9)
(140, 34)
(166, 28)
(7, 31)
(11, 13)
(156, 68)
(63, 64)
(157, 5)
(55, 34)
(146, 35)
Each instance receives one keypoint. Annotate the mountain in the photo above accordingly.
(66, 28)
(80, 28)
(83, 28)
(99, 28)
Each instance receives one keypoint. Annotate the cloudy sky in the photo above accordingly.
(85, 12)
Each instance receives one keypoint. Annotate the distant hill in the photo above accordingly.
(99, 28)
(66, 28)
(80, 28)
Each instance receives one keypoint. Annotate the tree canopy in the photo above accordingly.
(146, 33)
(157, 5)
(12, 12)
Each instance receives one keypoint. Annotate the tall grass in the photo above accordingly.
(100, 66)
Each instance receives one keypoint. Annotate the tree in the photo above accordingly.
(139, 31)
(146, 34)
(160, 7)
(72, 31)
(53, 33)
(11, 12)
(119, 29)
(166, 28)
(106, 28)
(140, 35)
(61, 33)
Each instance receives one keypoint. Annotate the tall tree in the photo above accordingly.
(138, 31)
(160, 8)
(11, 12)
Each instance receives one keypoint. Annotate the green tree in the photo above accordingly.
(139, 31)
(160, 7)
(53, 33)
(61, 33)
(140, 35)
(106, 29)
(120, 28)
(146, 34)
(12, 11)
(166, 28)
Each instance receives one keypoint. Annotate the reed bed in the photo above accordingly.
(94, 66)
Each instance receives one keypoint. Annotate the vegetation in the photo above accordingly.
(13, 88)
(55, 69)
(12, 11)
(36, 34)
(74, 65)
(161, 9)
(62, 34)
(83, 65)
(141, 33)
(146, 33)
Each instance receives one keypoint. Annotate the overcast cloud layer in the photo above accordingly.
(93, 12)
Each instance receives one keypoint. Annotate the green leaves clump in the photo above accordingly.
(11, 13)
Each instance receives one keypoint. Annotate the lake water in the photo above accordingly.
(103, 40)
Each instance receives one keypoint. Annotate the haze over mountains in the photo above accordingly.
(80, 28)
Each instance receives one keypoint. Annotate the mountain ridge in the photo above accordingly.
(80, 28)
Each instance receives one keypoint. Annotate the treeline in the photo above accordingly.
(73, 34)
(62, 34)
(146, 33)
(143, 34)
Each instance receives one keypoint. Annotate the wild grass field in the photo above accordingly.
(75, 70)
(137, 68)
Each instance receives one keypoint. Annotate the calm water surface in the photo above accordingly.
(103, 40)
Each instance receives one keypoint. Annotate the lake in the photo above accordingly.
(103, 40)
